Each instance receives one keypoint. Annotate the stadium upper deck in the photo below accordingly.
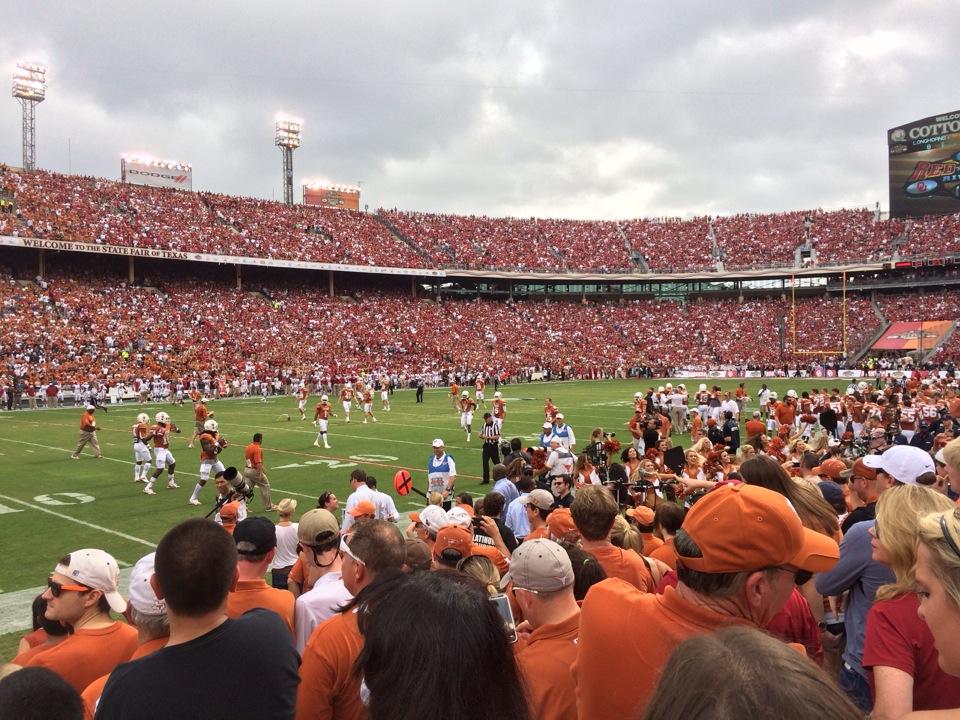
(90, 210)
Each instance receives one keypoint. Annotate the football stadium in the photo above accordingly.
(549, 448)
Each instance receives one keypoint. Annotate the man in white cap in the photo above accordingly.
(82, 590)
(148, 614)
(565, 433)
(903, 464)
(546, 432)
(319, 536)
(560, 461)
(543, 586)
(441, 473)
(88, 433)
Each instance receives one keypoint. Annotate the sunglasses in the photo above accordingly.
(345, 549)
(945, 531)
(57, 588)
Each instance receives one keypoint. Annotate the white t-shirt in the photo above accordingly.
(319, 604)
(361, 493)
(286, 554)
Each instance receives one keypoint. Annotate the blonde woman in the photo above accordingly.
(481, 569)
(938, 581)
(899, 650)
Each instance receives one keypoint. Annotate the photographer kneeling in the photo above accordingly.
(231, 488)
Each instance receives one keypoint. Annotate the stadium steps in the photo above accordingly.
(877, 310)
(636, 257)
(943, 341)
(393, 230)
(865, 348)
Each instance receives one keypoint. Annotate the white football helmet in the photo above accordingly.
(862, 385)
(637, 395)
(660, 389)
(465, 393)
(791, 393)
(143, 418)
(324, 398)
(498, 394)
(773, 395)
(162, 418)
(703, 386)
(211, 426)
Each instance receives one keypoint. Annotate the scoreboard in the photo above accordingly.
(925, 166)
(341, 197)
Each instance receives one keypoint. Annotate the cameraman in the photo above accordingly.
(231, 488)
(594, 449)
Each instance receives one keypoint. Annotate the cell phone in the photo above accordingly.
(502, 604)
(477, 521)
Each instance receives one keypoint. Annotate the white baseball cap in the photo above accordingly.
(91, 407)
(438, 443)
(547, 426)
(433, 518)
(560, 416)
(96, 569)
(142, 597)
(458, 516)
(904, 463)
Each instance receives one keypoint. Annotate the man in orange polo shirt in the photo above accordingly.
(594, 511)
(256, 540)
(253, 470)
(739, 552)
(755, 427)
(328, 686)
(645, 520)
(148, 614)
(88, 433)
(81, 592)
(542, 579)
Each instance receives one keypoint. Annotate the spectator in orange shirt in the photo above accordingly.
(594, 511)
(543, 586)
(537, 506)
(462, 654)
(755, 426)
(81, 592)
(148, 614)
(256, 540)
(666, 522)
(644, 520)
(739, 551)
(373, 556)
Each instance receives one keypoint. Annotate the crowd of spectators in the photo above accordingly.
(78, 321)
(85, 209)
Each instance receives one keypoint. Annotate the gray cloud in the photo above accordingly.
(603, 110)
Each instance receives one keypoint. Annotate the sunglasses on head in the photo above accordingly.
(56, 588)
(945, 531)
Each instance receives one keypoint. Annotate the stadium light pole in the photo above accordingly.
(287, 138)
(30, 89)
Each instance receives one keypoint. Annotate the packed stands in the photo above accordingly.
(187, 324)
(84, 209)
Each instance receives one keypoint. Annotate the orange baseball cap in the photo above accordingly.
(561, 526)
(414, 517)
(832, 468)
(453, 537)
(364, 507)
(467, 508)
(744, 527)
(861, 470)
(642, 514)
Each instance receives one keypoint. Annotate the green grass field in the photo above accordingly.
(50, 504)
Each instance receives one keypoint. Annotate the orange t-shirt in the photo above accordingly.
(200, 412)
(88, 654)
(251, 594)
(328, 687)
(786, 413)
(545, 663)
(87, 423)
(253, 455)
(538, 534)
(622, 689)
(91, 695)
(650, 543)
(23, 659)
(755, 428)
(297, 575)
(666, 554)
(626, 565)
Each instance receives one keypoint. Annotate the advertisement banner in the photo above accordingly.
(925, 166)
(908, 336)
(850, 373)
(138, 171)
(70, 246)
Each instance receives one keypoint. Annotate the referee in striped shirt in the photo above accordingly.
(490, 433)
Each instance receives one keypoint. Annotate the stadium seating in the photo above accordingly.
(198, 324)
(84, 209)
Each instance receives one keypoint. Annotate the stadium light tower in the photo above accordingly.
(30, 88)
(287, 139)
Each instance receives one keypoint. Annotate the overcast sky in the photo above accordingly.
(560, 109)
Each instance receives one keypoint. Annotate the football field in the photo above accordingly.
(50, 504)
